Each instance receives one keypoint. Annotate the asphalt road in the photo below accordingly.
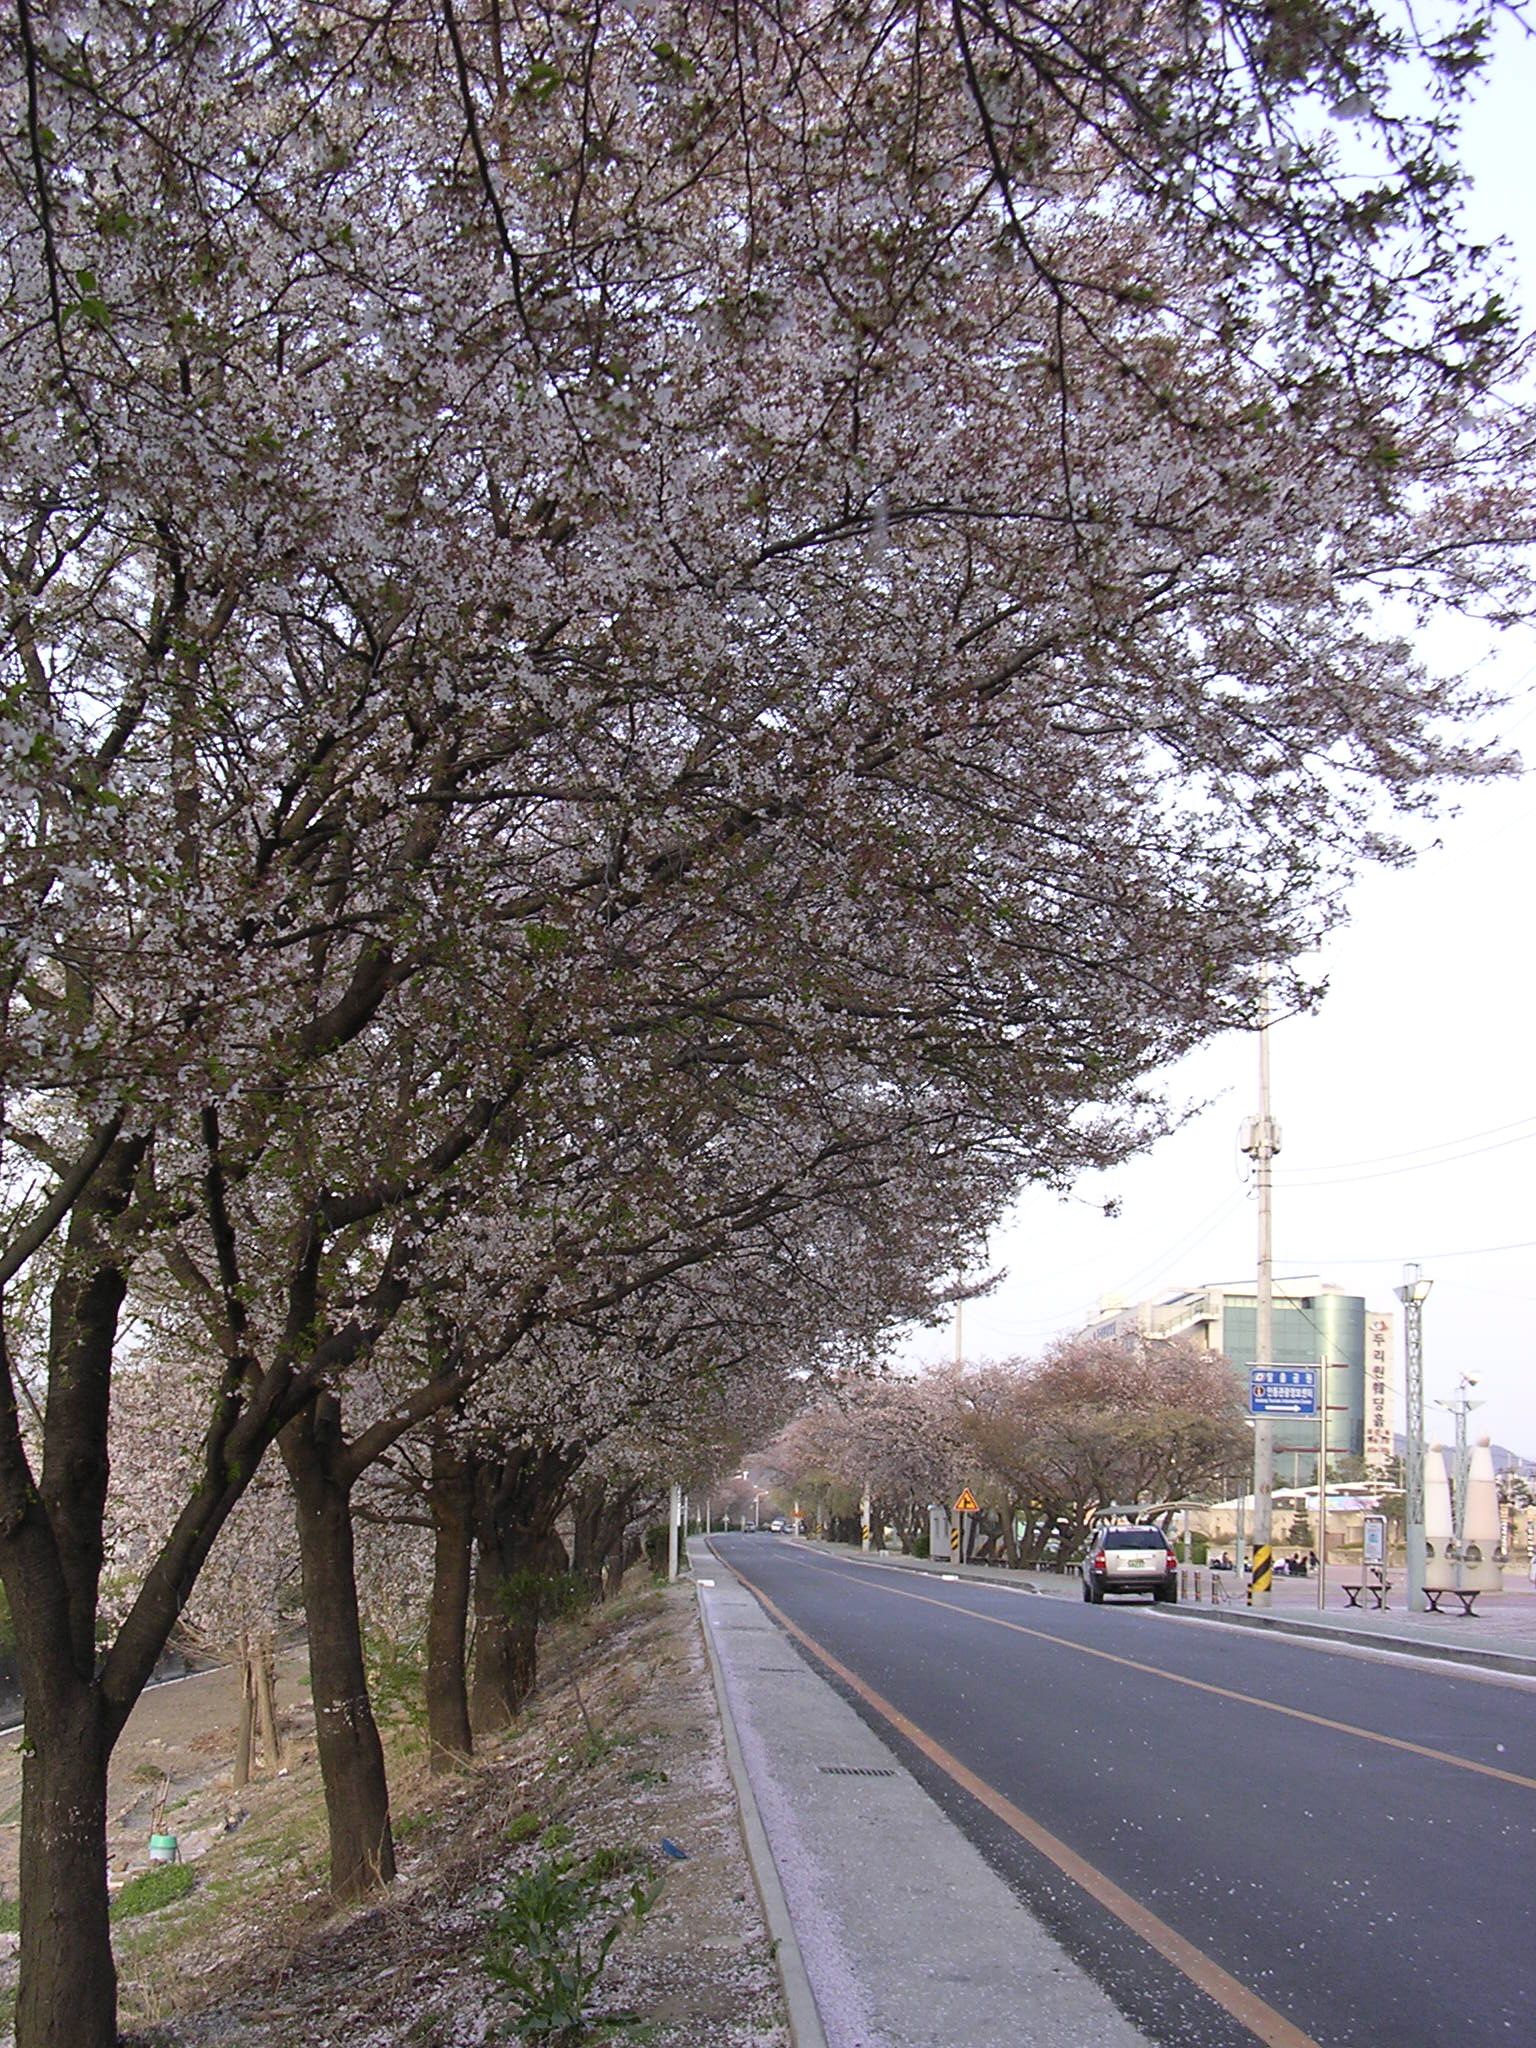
(1350, 1839)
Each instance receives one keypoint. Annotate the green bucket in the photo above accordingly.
(162, 1848)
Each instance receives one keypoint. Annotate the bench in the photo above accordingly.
(1377, 1588)
(1435, 1594)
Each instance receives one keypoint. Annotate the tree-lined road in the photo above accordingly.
(1348, 1840)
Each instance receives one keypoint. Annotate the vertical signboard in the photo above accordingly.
(1378, 1395)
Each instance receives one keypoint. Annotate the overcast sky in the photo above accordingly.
(1407, 1103)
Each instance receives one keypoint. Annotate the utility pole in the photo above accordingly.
(1412, 1294)
(1261, 1141)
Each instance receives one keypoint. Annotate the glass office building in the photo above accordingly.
(1314, 1324)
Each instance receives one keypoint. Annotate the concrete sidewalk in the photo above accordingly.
(893, 1930)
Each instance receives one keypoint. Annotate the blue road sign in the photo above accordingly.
(1282, 1390)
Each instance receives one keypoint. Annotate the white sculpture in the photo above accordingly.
(1479, 1561)
(1439, 1528)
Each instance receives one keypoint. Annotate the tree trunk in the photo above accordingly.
(516, 1501)
(452, 1500)
(599, 1516)
(587, 1533)
(346, 1735)
(506, 1652)
(610, 1539)
(245, 1736)
(266, 1702)
(51, 1553)
(68, 1991)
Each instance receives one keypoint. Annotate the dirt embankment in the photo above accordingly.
(616, 1765)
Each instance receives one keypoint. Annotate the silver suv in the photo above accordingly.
(1130, 1558)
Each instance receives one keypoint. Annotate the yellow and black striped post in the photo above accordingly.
(1263, 1570)
(954, 1544)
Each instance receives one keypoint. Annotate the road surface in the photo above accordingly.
(1239, 1837)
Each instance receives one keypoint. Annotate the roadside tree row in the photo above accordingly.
(647, 657)
(1047, 1446)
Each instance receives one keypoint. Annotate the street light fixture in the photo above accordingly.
(1413, 1294)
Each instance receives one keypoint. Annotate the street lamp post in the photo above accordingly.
(1261, 1141)
(1412, 1294)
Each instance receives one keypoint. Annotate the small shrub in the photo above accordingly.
(161, 1885)
(604, 1864)
(524, 1826)
(588, 1751)
(397, 1678)
(537, 1948)
(548, 1596)
(10, 1916)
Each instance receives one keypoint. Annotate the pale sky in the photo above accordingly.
(1407, 1103)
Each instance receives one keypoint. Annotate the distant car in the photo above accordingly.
(777, 1525)
(1130, 1558)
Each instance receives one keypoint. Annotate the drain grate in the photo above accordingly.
(856, 1770)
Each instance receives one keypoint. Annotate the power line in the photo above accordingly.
(1418, 1151)
(1345, 1180)
(1188, 1242)
(1477, 1251)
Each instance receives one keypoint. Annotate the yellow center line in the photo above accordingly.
(1272, 2028)
(1220, 1692)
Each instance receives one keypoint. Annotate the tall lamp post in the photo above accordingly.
(1260, 1139)
(1412, 1294)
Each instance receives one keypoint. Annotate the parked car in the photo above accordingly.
(1130, 1558)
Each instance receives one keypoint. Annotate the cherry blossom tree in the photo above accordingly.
(900, 1438)
(786, 556)
(1096, 1422)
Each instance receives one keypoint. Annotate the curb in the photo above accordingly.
(805, 2028)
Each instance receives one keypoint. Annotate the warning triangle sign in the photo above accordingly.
(966, 1504)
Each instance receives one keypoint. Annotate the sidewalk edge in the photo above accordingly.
(805, 2028)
